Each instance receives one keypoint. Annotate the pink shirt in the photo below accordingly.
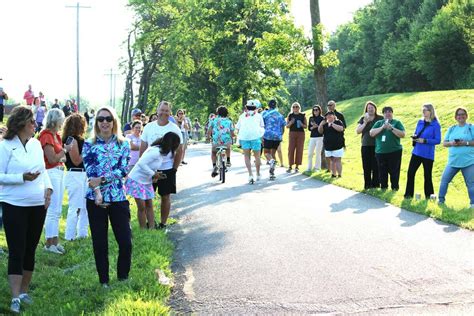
(29, 97)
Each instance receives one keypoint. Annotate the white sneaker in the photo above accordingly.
(258, 177)
(53, 249)
(272, 166)
(25, 298)
(61, 248)
(15, 305)
(251, 179)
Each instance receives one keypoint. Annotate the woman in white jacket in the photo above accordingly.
(140, 180)
(25, 194)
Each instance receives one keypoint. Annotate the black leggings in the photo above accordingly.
(23, 226)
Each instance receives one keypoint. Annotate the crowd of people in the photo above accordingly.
(143, 158)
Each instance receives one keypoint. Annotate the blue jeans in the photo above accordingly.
(448, 175)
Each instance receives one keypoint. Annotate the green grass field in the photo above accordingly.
(407, 109)
(68, 284)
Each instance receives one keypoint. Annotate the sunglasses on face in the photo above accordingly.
(461, 114)
(105, 118)
(316, 110)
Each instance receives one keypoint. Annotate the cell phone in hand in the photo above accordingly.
(69, 140)
(457, 140)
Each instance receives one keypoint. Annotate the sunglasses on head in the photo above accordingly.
(105, 118)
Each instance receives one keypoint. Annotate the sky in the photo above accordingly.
(38, 44)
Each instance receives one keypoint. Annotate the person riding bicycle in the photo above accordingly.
(274, 128)
(250, 131)
(221, 129)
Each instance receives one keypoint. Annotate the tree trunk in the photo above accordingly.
(319, 71)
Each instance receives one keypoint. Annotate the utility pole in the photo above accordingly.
(112, 76)
(77, 7)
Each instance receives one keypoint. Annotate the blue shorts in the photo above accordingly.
(255, 144)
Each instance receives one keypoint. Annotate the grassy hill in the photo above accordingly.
(407, 109)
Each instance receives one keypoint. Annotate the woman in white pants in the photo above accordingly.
(54, 156)
(316, 139)
(75, 181)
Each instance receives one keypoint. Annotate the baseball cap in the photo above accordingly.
(136, 112)
(254, 103)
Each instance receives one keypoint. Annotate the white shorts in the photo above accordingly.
(334, 153)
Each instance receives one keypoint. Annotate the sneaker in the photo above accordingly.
(214, 172)
(258, 177)
(105, 286)
(251, 179)
(61, 248)
(272, 166)
(228, 164)
(25, 298)
(184, 162)
(297, 170)
(15, 305)
(161, 226)
(53, 249)
(288, 170)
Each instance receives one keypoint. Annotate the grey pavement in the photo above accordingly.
(301, 246)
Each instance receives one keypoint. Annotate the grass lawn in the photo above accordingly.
(407, 109)
(68, 284)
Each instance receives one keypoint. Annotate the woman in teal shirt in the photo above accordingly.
(459, 139)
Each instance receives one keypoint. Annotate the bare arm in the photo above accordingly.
(76, 158)
(177, 157)
(51, 156)
(143, 147)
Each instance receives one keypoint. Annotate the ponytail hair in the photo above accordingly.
(168, 143)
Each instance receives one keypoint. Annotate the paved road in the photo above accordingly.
(297, 245)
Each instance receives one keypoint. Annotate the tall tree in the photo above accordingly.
(318, 51)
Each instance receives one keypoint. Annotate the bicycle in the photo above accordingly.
(221, 162)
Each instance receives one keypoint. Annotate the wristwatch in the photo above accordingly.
(102, 180)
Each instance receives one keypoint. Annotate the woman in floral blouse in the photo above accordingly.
(106, 156)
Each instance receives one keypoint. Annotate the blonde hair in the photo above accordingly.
(430, 107)
(116, 128)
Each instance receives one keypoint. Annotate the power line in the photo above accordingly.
(112, 76)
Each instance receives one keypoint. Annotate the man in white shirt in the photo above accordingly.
(166, 186)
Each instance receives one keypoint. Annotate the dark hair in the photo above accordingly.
(222, 111)
(135, 123)
(316, 106)
(168, 143)
(373, 104)
(18, 119)
(74, 125)
(387, 109)
(329, 113)
(272, 104)
(460, 109)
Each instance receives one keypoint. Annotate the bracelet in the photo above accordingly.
(97, 187)
(467, 143)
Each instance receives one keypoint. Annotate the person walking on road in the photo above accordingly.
(274, 128)
(250, 129)
(3, 98)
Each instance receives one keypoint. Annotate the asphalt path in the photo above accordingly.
(300, 246)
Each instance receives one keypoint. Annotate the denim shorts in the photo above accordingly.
(255, 144)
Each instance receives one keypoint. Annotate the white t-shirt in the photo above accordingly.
(250, 127)
(153, 131)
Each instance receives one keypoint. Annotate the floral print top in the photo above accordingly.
(222, 128)
(109, 160)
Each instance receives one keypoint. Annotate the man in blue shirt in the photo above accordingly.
(274, 128)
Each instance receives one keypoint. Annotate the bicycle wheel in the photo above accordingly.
(222, 171)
